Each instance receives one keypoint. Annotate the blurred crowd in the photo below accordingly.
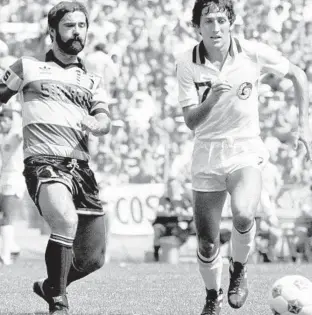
(132, 44)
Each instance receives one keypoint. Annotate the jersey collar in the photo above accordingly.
(51, 57)
(199, 51)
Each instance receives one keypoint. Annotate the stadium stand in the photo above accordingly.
(137, 41)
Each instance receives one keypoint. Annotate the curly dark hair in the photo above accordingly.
(223, 5)
(59, 10)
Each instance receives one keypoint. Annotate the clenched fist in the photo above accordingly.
(304, 136)
(220, 86)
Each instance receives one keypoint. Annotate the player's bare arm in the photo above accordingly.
(273, 60)
(98, 125)
(300, 83)
(194, 115)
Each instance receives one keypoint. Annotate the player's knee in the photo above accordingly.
(207, 248)
(69, 220)
(244, 207)
(243, 221)
(59, 213)
(64, 224)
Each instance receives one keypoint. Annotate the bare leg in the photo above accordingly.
(58, 210)
(207, 211)
(244, 185)
(89, 247)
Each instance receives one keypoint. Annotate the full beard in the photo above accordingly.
(71, 47)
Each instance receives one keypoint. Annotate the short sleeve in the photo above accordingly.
(100, 100)
(12, 80)
(187, 90)
(13, 76)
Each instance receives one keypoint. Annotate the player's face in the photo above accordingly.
(71, 33)
(214, 28)
(5, 124)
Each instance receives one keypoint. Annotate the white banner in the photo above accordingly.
(132, 208)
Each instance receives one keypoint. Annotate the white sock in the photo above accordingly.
(7, 234)
(211, 270)
(15, 248)
(242, 243)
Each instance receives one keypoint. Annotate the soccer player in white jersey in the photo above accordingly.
(12, 183)
(62, 104)
(218, 92)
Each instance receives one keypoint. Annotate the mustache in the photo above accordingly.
(75, 39)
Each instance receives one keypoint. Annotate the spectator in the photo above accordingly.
(101, 63)
(136, 42)
(303, 231)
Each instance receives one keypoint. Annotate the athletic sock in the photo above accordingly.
(211, 270)
(242, 243)
(58, 257)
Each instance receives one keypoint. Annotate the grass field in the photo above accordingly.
(124, 289)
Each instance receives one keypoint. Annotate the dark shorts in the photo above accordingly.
(74, 174)
(304, 222)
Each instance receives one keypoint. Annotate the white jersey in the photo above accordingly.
(12, 150)
(235, 115)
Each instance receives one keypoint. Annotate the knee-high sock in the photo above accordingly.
(211, 270)
(241, 243)
(58, 259)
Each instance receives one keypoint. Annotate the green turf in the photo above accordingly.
(136, 289)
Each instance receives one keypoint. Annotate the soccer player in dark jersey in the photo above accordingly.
(218, 82)
(62, 104)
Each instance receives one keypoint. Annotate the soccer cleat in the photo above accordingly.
(238, 290)
(38, 289)
(59, 305)
(213, 302)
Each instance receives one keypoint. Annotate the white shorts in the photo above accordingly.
(213, 161)
(12, 184)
